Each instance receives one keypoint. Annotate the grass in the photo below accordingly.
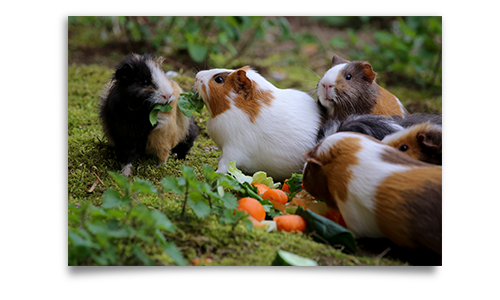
(90, 158)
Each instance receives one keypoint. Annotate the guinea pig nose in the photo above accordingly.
(164, 97)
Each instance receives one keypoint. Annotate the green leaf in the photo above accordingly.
(153, 115)
(122, 181)
(209, 173)
(197, 52)
(200, 208)
(172, 251)
(78, 241)
(190, 102)
(285, 258)
(327, 230)
(294, 184)
(237, 174)
(142, 257)
(230, 201)
(261, 177)
(248, 224)
(173, 184)
(112, 198)
(162, 221)
(145, 186)
(188, 173)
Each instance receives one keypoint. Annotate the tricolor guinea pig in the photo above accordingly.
(421, 141)
(138, 84)
(349, 88)
(261, 127)
(377, 126)
(379, 191)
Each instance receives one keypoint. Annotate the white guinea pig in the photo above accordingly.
(261, 127)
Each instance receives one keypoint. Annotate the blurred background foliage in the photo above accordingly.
(404, 51)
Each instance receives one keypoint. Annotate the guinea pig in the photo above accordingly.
(421, 141)
(377, 126)
(379, 191)
(138, 84)
(261, 127)
(349, 88)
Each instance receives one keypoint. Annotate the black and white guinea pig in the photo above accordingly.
(349, 88)
(379, 191)
(377, 126)
(138, 84)
(421, 141)
(261, 127)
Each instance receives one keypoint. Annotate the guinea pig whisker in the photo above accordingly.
(314, 73)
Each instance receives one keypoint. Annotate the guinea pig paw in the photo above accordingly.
(126, 170)
(161, 164)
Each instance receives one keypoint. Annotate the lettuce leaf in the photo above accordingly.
(190, 102)
(153, 115)
(237, 174)
(261, 177)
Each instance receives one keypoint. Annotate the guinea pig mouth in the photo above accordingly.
(331, 100)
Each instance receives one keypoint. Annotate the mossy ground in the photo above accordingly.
(90, 158)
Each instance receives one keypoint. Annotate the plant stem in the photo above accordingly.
(185, 199)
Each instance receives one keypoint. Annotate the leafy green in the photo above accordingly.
(190, 102)
(285, 258)
(237, 174)
(294, 185)
(153, 115)
(261, 177)
(325, 230)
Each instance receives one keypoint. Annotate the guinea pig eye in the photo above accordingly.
(219, 79)
(348, 77)
(145, 82)
(403, 148)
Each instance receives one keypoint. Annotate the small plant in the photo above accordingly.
(121, 231)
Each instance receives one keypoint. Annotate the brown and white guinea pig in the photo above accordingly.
(138, 84)
(421, 141)
(261, 127)
(349, 88)
(379, 191)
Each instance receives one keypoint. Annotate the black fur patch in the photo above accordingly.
(376, 126)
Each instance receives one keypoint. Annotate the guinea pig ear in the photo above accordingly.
(243, 84)
(124, 73)
(367, 70)
(430, 141)
(311, 158)
(337, 60)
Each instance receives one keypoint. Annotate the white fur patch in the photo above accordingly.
(164, 87)
(359, 210)
(326, 85)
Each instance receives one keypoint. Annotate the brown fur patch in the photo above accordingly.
(409, 208)
(423, 142)
(163, 138)
(394, 156)
(216, 98)
(250, 98)
(387, 104)
(335, 167)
